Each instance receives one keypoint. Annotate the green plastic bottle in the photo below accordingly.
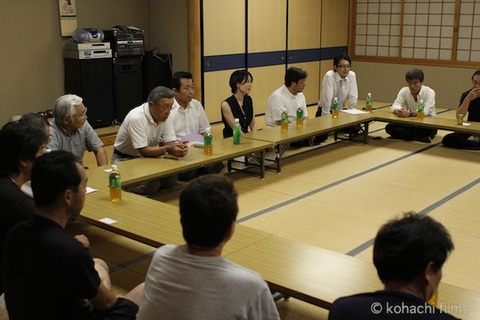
(115, 184)
(207, 142)
(284, 122)
(420, 110)
(237, 132)
(368, 102)
(335, 108)
(299, 117)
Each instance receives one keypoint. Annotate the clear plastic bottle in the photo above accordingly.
(284, 122)
(115, 184)
(335, 108)
(208, 142)
(368, 102)
(299, 117)
(237, 132)
(420, 110)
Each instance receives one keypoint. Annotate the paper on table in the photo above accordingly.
(108, 220)
(192, 138)
(90, 189)
(353, 111)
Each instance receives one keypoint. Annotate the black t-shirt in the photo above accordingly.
(380, 305)
(473, 108)
(15, 207)
(48, 273)
(245, 117)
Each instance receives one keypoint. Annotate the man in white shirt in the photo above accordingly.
(187, 115)
(189, 118)
(288, 98)
(340, 82)
(405, 105)
(147, 132)
(193, 280)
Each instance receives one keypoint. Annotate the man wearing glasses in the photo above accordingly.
(340, 82)
(71, 131)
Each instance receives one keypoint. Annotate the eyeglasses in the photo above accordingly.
(83, 114)
(342, 66)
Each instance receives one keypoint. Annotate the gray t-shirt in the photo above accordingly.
(84, 137)
(182, 286)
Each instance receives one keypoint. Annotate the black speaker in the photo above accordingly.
(157, 71)
(128, 85)
(92, 80)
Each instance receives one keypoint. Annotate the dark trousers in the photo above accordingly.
(410, 133)
(460, 141)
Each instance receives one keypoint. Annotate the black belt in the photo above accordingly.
(121, 154)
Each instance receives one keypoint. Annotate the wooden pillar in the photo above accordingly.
(195, 46)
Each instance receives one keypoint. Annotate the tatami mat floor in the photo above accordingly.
(336, 197)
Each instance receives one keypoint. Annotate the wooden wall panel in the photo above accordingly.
(266, 25)
(224, 27)
(216, 90)
(265, 81)
(304, 24)
(334, 30)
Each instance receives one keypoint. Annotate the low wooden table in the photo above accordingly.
(428, 122)
(319, 276)
(151, 222)
(311, 127)
(145, 169)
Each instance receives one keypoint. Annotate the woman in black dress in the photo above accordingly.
(239, 105)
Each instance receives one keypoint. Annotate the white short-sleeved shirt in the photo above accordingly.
(283, 100)
(331, 87)
(81, 138)
(139, 130)
(192, 119)
(406, 99)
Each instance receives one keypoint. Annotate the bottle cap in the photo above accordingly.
(237, 120)
(114, 167)
(207, 129)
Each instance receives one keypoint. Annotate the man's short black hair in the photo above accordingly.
(175, 81)
(20, 141)
(52, 174)
(476, 73)
(340, 57)
(415, 74)
(294, 75)
(404, 247)
(208, 207)
(34, 119)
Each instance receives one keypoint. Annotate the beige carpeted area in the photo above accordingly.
(336, 197)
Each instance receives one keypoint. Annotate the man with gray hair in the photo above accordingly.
(71, 131)
(146, 131)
